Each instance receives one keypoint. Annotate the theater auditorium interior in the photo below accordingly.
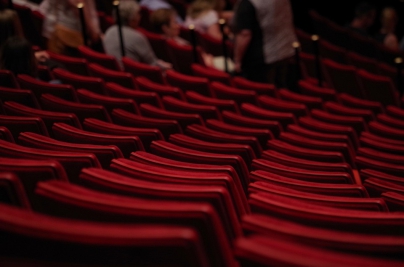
(109, 164)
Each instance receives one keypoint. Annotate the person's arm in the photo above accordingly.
(242, 40)
(91, 18)
(214, 31)
(93, 25)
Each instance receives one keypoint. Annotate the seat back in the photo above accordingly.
(94, 243)
(7, 79)
(182, 57)
(127, 144)
(73, 64)
(80, 81)
(104, 154)
(379, 88)
(38, 87)
(188, 83)
(122, 78)
(102, 59)
(342, 78)
(139, 69)
(21, 96)
(81, 110)
(48, 117)
(202, 217)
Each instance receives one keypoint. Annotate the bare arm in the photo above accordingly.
(214, 31)
(242, 40)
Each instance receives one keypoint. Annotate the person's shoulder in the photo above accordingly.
(110, 30)
(137, 34)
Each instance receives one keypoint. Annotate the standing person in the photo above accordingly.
(62, 20)
(264, 33)
(136, 45)
(386, 35)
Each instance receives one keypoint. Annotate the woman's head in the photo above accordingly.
(200, 6)
(17, 56)
(9, 25)
(164, 21)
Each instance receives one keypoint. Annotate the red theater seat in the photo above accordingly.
(38, 87)
(81, 110)
(346, 190)
(234, 185)
(21, 96)
(78, 81)
(139, 69)
(104, 154)
(146, 135)
(12, 191)
(258, 250)
(144, 84)
(72, 162)
(127, 144)
(94, 243)
(98, 206)
(102, 59)
(154, 189)
(166, 127)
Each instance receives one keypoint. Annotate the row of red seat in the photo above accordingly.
(279, 177)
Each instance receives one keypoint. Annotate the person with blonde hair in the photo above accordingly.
(205, 15)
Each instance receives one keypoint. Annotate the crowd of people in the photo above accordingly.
(261, 32)
(365, 17)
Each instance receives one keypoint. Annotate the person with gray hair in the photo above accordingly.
(136, 45)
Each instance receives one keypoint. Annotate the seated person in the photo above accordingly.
(17, 56)
(386, 34)
(164, 22)
(136, 45)
(157, 4)
(205, 15)
(10, 26)
(365, 14)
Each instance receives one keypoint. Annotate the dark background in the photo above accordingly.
(341, 12)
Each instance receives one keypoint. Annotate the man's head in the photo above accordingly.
(129, 11)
